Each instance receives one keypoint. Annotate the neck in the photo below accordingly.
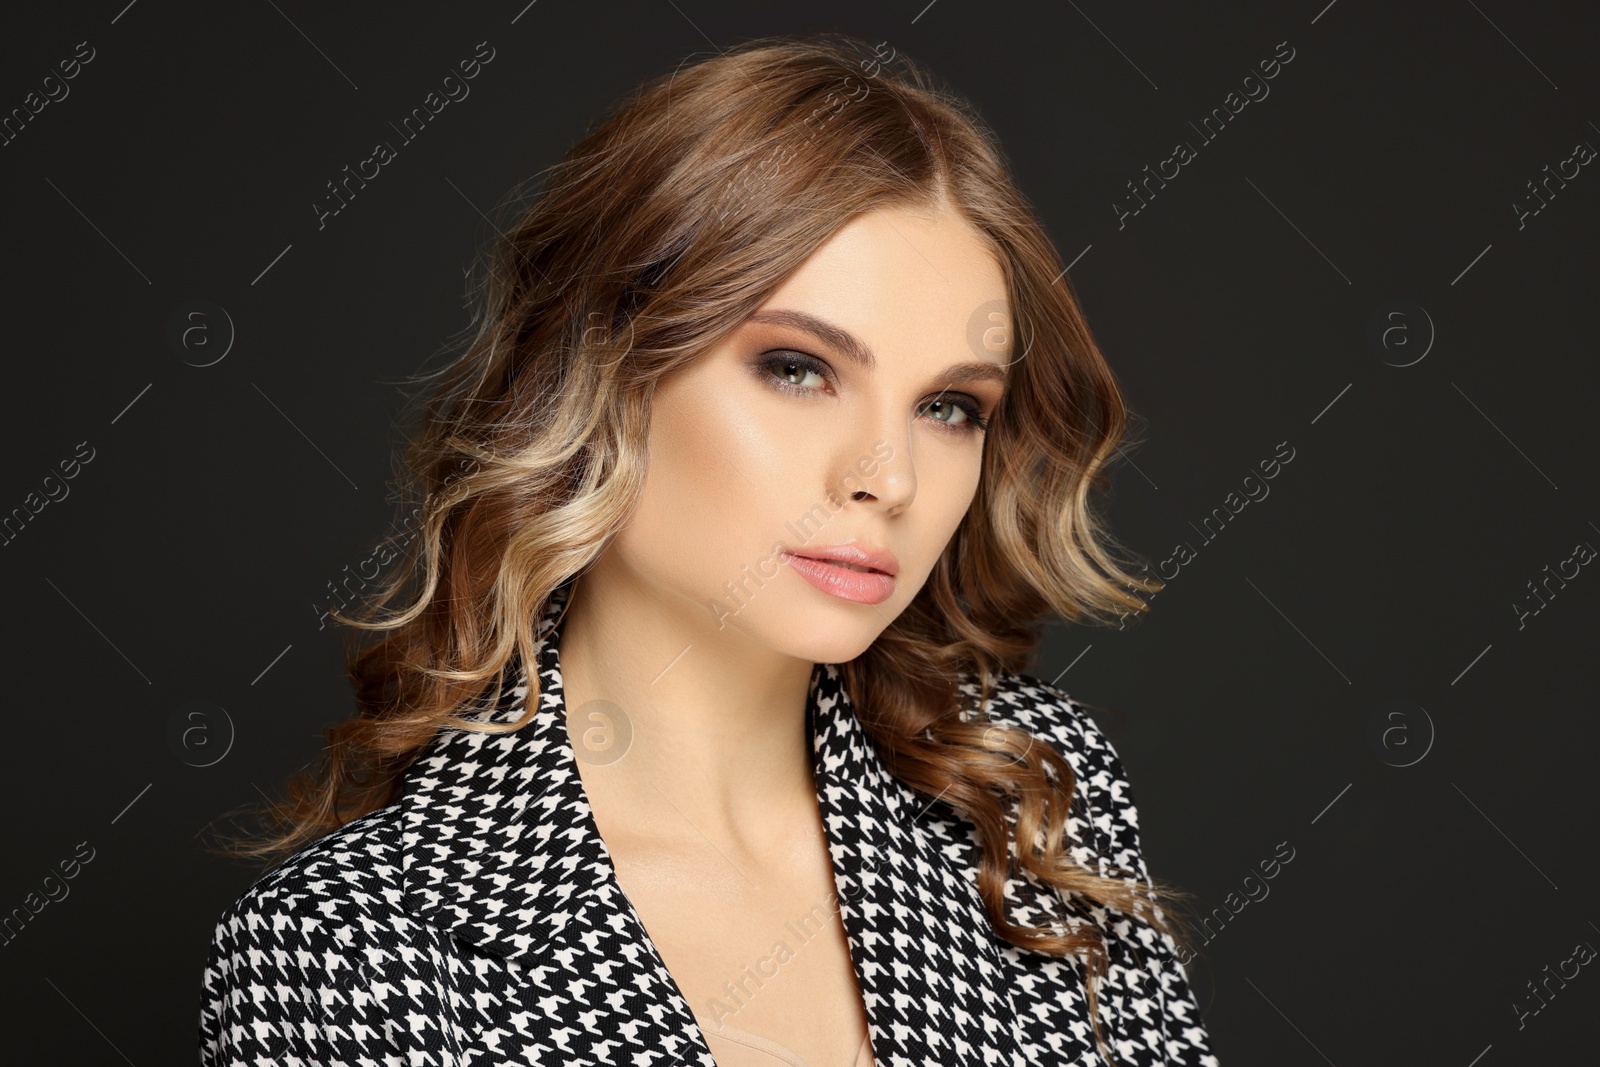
(684, 732)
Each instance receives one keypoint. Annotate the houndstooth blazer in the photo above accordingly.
(479, 920)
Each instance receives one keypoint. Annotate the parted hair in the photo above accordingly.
(668, 222)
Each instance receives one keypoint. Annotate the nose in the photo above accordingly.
(877, 466)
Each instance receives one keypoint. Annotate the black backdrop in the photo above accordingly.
(1375, 663)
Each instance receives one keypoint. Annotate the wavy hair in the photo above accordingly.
(660, 231)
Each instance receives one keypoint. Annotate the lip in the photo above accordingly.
(863, 587)
(879, 559)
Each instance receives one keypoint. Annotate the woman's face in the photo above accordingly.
(777, 440)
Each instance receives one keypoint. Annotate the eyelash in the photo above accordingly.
(975, 423)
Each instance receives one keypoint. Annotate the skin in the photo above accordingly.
(711, 814)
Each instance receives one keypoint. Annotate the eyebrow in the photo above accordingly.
(842, 340)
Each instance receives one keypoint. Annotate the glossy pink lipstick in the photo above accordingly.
(850, 572)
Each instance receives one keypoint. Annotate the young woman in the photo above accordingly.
(696, 732)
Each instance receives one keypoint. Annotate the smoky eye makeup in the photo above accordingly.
(796, 373)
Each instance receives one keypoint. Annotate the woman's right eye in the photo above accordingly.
(790, 373)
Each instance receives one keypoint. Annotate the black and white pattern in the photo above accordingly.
(479, 919)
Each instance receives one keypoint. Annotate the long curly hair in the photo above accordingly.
(660, 231)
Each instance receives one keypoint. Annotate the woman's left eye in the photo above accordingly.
(956, 414)
(964, 414)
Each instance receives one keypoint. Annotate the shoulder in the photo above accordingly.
(1102, 794)
(325, 898)
(355, 868)
(1105, 823)
(1050, 714)
(1024, 701)
(306, 953)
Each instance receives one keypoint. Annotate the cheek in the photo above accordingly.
(946, 497)
(712, 494)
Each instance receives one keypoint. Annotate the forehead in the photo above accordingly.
(900, 280)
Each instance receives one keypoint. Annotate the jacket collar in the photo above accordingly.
(500, 848)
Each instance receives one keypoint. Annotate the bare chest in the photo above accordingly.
(756, 947)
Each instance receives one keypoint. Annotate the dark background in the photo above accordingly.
(1438, 867)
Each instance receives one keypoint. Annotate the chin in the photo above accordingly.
(817, 627)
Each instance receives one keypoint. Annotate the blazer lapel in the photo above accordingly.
(930, 970)
(500, 849)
